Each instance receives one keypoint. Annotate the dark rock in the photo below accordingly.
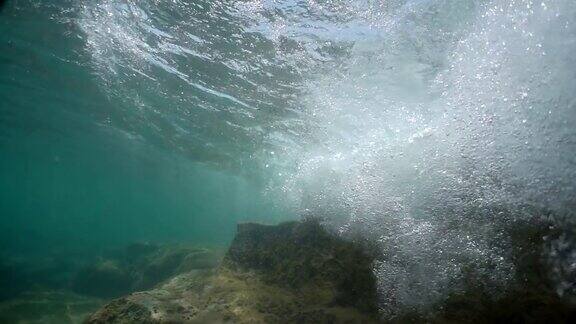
(531, 298)
(105, 278)
(298, 272)
(140, 266)
(170, 261)
(18, 275)
(296, 254)
(294, 272)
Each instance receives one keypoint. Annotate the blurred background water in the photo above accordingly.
(70, 178)
(170, 121)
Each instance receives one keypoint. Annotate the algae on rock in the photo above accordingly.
(294, 272)
(301, 254)
(297, 272)
(140, 267)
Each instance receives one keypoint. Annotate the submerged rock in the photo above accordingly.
(290, 273)
(104, 278)
(48, 307)
(297, 272)
(300, 254)
(533, 297)
(167, 262)
(19, 275)
(140, 267)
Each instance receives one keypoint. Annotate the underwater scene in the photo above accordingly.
(287, 161)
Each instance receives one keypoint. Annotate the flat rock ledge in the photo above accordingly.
(294, 272)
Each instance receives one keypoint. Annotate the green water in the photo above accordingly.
(412, 123)
(60, 194)
(71, 188)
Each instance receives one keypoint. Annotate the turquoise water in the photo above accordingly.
(72, 183)
(148, 121)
